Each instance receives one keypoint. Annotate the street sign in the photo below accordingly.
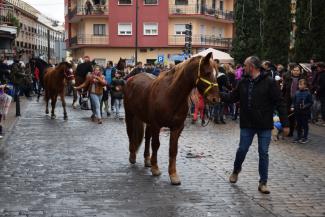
(160, 59)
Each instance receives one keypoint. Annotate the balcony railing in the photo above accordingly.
(201, 40)
(89, 40)
(96, 10)
(6, 14)
(196, 9)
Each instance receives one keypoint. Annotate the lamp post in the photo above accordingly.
(136, 32)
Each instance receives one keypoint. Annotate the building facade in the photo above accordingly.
(111, 29)
(36, 34)
(8, 29)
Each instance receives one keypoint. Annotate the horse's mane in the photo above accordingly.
(175, 72)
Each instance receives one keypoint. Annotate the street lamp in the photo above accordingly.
(136, 32)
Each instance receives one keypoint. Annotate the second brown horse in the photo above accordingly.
(54, 85)
(163, 102)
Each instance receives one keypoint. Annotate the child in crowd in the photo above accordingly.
(301, 105)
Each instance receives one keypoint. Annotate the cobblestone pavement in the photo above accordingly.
(80, 168)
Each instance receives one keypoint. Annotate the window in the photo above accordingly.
(150, 2)
(179, 29)
(99, 29)
(221, 6)
(214, 4)
(125, 29)
(181, 2)
(125, 2)
(150, 29)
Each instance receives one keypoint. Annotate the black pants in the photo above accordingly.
(322, 102)
(302, 125)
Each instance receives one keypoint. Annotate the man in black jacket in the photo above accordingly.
(259, 95)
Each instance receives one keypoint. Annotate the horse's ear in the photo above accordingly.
(207, 57)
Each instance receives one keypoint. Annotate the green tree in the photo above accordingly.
(310, 30)
(276, 30)
(247, 39)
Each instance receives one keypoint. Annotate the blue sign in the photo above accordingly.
(160, 59)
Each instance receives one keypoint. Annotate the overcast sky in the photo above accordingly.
(51, 8)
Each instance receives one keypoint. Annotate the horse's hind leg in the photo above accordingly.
(65, 115)
(129, 130)
(155, 146)
(53, 102)
(173, 146)
(146, 155)
(75, 98)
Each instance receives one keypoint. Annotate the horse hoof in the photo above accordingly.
(174, 179)
(155, 171)
(47, 112)
(132, 158)
(74, 106)
(53, 116)
(147, 162)
(65, 118)
(132, 161)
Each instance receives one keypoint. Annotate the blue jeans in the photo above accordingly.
(117, 105)
(95, 104)
(246, 139)
(302, 125)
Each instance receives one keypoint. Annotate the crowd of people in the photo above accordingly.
(255, 91)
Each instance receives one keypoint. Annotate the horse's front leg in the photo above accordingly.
(155, 146)
(47, 103)
(146, 154)
(53, 103)
(65, 115)
(173, 147)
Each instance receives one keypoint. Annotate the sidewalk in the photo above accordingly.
(11, 119)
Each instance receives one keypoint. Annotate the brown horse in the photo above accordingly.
(163, 102)
(54, 85)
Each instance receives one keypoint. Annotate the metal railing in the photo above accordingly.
(86, 39)
(201, 40)
(6, 14)
(196, 9)
(96, 10)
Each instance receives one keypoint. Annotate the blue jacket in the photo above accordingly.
(109, 73)
(302, 102)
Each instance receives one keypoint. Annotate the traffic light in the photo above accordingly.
(188, 38)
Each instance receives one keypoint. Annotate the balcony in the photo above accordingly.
(84, 40)
(80, 12)
(208, 12)
(201, 41)
(8, 22)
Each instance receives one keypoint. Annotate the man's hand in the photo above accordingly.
(286, 131)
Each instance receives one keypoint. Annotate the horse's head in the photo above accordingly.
(206, 81)
(67, 69)
(121, 64)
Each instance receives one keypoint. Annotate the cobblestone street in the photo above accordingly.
(79, 168)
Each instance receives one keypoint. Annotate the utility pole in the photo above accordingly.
(136, 32)
(48, 46)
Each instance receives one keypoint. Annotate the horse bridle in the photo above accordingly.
(68, 76)
(199, 78)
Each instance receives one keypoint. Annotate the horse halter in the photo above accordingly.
(199, 78)
(70, 75)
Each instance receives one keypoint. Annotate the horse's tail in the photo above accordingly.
(137, 133)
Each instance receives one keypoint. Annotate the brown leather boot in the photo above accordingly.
(263, 188)
(233, 177)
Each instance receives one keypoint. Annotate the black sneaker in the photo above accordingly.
(108, 114)
(203, 122)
